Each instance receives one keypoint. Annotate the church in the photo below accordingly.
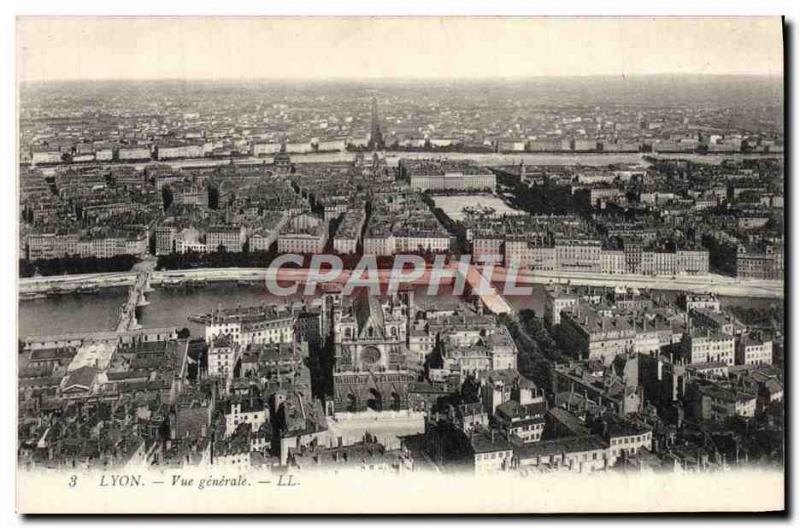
(371, 369)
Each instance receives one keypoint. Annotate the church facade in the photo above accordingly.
(369, 338)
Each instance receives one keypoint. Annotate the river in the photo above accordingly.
(488, 159)
(172, 307)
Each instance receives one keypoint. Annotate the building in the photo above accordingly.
(718, 402)
(190, 240)
(491, 452)
(223, 355)
(578, 255)
(165, 240)
(702, 345)
(250, 325)
(264, 234)
(366, 457)
(369, 339)
(504, 385)
(348, 234)
(525, 422)
(511, 145)
(332, 144)
(104, 154)
(479, 450)
(612, 262)
(591, 385)
(129, 154)
(548, 145)
(179, 150)
(442, 175)
(489, 249)
(453, 181)
(230, 238)
(567, 454)
(487, 348)
(691, 262)
(51, 246)
(596, 336)
(188, 194)
(302, 234)
(251, 411)
(690, 302)
(626, 439)
(111, 244)
(529, 255)
(45, 156)
(584, 145)
(266, 149)
(767, 263)
(557, 299)
(753, 350)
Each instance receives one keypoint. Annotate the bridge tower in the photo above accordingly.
(134, 323)
(142, 301)
(147, 287)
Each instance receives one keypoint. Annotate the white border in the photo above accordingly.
(12, 8)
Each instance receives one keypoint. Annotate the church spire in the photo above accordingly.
(375, 136)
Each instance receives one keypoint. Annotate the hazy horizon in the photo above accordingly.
(776, 77)
(385, 48)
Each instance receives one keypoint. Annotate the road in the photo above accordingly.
(711, 283)
(415, 444)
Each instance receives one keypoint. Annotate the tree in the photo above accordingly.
(213, 197)
(470, 390)
(166, 197)
(184, 333)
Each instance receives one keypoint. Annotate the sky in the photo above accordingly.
(73, 48)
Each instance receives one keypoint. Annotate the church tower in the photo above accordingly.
(375, 136)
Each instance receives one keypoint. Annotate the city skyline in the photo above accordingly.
(233, 285)
(429, 48)
(413, 80)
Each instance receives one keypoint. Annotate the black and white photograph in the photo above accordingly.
(400, 265)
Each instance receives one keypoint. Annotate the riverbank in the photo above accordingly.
(712, 283)
(170, 306)
(482, 158)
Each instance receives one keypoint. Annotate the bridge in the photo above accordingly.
(136, 298)
(491, 299)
